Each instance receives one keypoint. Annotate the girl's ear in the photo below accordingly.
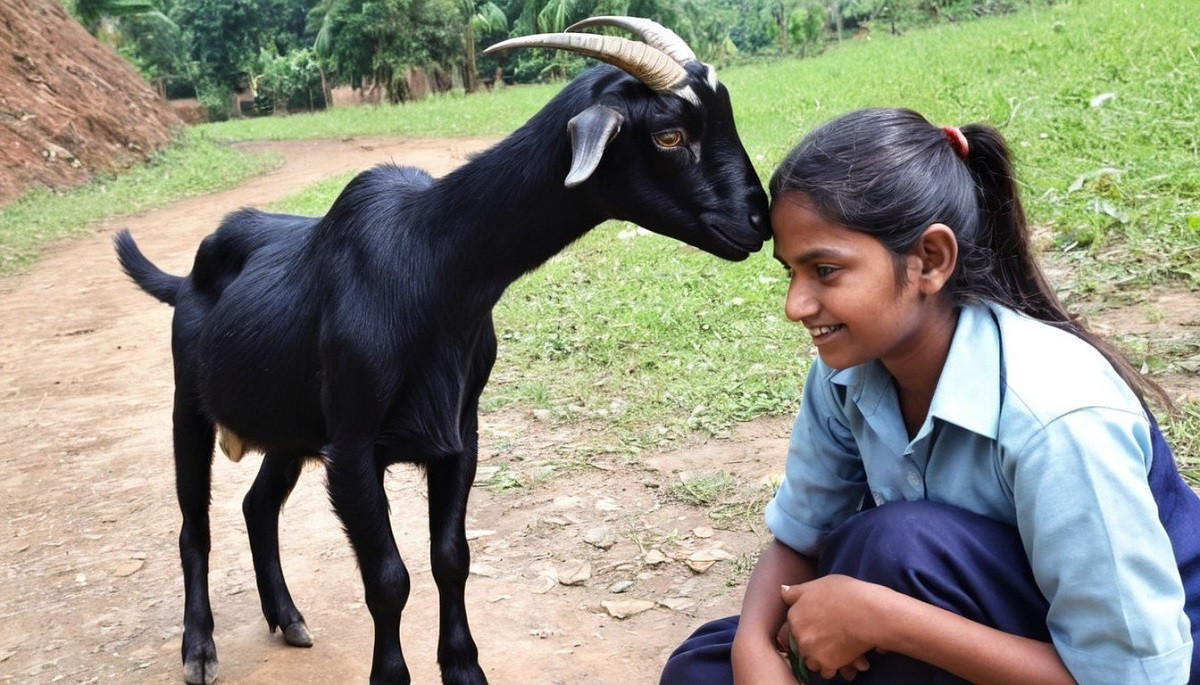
(938, 251)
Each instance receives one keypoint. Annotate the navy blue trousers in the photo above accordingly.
(957, 560)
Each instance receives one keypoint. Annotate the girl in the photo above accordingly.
(974, 489)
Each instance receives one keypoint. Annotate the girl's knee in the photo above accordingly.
(889, 543)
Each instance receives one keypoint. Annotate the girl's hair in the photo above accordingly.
(890, 173)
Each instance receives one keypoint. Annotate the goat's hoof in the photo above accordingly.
(297, 635)
(201, 669)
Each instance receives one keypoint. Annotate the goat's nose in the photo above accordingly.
(758, 222)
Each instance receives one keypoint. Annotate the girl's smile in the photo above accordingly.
(858, 300)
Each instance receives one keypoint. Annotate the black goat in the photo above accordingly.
(365, 337)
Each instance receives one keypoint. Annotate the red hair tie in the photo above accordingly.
(957, 140)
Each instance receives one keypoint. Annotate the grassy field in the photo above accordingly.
(652, 340)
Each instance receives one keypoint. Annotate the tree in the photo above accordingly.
(484, 18)
(91, 13)
(225, 38)
(379, 40)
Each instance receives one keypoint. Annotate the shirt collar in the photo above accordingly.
(968, 392)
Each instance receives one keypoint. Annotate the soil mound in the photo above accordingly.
(69, 106)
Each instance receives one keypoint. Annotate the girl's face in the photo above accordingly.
(844, 290)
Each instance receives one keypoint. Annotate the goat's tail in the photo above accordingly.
(160, 284)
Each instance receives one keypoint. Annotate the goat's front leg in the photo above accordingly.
(450, 481)
(356, 490)
(276, 477)
(193, 436)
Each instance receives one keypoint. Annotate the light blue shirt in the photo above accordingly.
(1028, 425)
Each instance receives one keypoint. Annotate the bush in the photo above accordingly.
(288, 81)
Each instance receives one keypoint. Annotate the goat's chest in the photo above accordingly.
(434, 413)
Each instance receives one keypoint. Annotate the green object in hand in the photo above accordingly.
(797, 663)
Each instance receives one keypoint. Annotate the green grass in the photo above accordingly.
(489, 113)
(1121, 176)
(192, 165)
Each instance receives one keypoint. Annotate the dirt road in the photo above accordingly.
(91, 591)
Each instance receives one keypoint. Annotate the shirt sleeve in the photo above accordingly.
(824, 481)
(1098, 551)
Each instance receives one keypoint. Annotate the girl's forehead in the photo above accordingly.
(793, 216)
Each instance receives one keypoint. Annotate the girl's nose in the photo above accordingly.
(799, 304)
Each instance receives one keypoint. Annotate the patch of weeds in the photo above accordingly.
(1182, 431)
(503, 479)
(740, 568)
(704, 490)
(747, 507)
(1157, 355)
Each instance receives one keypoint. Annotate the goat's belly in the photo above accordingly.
(262, 380)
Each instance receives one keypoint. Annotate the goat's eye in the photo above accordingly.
(669, 139)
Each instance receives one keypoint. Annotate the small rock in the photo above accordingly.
(711, 554)
(599, 537)
(484, 571)
(688, 587)
(499, 598)
(4, 656)
(677, 603)
(128, 568)
(703, 560)
(476, 534)
(620, 586)
(566, 502)
(624, 608)
(543, 414)
(702, 532)
(607, 504)
(575, 572)
(655, 557)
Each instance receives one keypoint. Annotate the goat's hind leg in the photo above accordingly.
(193, 437)
(276, 477)
(355, 485)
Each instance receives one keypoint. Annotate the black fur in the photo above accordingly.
(365, 337)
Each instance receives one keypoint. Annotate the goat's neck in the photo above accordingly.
(507, 211)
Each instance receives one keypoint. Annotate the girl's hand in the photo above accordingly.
(827, 618)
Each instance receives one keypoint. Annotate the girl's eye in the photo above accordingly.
(825, 271)
(669, 139)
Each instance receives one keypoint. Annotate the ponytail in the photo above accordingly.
(1017, 279)
(891, 174)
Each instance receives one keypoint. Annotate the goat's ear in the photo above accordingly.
(591, 131)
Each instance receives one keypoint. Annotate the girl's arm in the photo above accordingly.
(755, 658)
(836, 618)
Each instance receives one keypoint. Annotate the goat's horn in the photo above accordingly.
(652, 33)
(647, 64)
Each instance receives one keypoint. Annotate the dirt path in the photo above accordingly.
(91, 590)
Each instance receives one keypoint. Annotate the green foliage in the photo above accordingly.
(225, 37)
(379, 40)
(283, 79)
(155, 45)
(91, 12)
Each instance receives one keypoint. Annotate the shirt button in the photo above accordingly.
(914, 479)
